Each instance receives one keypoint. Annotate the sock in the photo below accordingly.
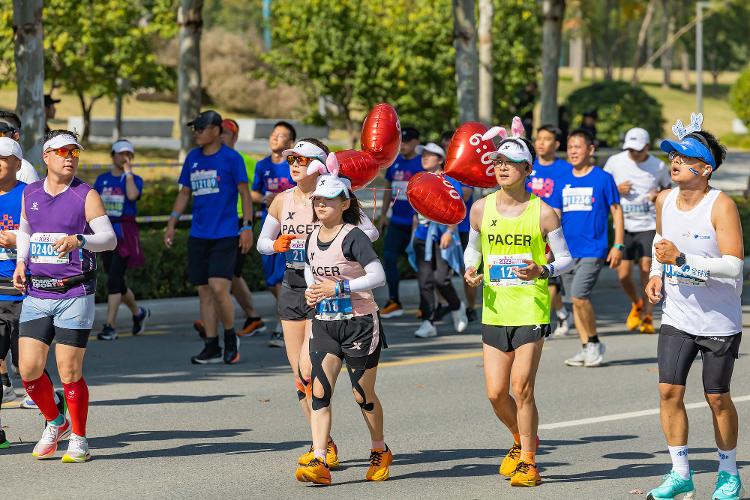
(213, 342)
(42, 393)
(58, 421)
(516, 438)
(229, 331)
(378, 445)
(728, 461)
(584, 346)
(77, 396)
(562, 313)
(320, 454)
(594, 339)
(528, 457)
(5, 379)
(680, 462)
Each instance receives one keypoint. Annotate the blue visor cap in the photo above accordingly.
(690, 147)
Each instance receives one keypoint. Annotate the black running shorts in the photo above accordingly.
(357, 340)
(677, 351)
(292, 305)
(44, 330)
(638, 244)
(211, 259)
(10, 311)
(510, 338)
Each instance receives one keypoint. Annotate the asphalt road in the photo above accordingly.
(160, 427)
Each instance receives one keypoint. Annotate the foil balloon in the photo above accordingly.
(468, 156)
(434, 197)
(381, 134)
(358, 166)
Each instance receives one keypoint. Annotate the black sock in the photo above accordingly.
(5, 379)
(212, 342)
(229, 332)
(583, 345)
(594, 339)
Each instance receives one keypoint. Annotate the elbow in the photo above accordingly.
(111, 241)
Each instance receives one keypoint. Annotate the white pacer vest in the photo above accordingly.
(695, 302)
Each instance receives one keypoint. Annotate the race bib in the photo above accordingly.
(295, 256)
(578, 199)
(41, 249)
(502, 269)
(113, 204)
(398, 188)
(204, 182)
(685, 275)
(636, 208)
(335, 308)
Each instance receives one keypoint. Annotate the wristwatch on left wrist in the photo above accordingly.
(545, 273)
(81, 240)
(680, 260)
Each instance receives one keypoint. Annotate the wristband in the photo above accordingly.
(247, 228)
(175, 215)
(619, 246)
(347, 289)
(337, 289)
(545, 273)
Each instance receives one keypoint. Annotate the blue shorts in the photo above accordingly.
(76, 313)
(274, 266)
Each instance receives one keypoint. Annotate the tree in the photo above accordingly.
(552, 14)
(190, 21)
(642, 33)
(486, 10)
(467, 70)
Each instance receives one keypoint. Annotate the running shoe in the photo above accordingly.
(78, 450)
(728, 487)
(4, 443)
(107, 333)
(139, 320)
(9, 394)
(392, 309)
(380, 461)
(594, 354)
(426, 330)
(471, 315)
(526, 475)
(29, 403)
(672, 485)
(53, 434)
(564, 325)
(251, 327)
(578, 359)
(634, 318)
(210, 354)
(231, 349)
(460, 322)
(510, 462)
(198, 326)
(332, 455)
(316, 471)
(277, 339)
(647, 325)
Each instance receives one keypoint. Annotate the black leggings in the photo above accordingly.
(9, 314)
(115, 266)
(433, 274)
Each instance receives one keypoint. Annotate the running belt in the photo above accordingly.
(61, 285)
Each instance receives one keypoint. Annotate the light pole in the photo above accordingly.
(699, 6)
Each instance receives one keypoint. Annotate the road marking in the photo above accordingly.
(431, 359)
(627, 415)
(146, 333)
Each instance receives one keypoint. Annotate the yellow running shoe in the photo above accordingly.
(634, 318)
(526, 475)
(647, 325)
(380, 460)
(315, 472)
(510, 462)
(332, 456)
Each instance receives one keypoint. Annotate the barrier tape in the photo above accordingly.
(107, 166)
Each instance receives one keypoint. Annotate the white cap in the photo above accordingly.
(330, 186)
(122, 146)
(513, 149)
(431, 147)
(61, 140)
(637, 139)
(9, 147)
(306, 149)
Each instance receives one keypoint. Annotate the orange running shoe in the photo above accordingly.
(392, 309)
(510, 462)
(332, 456)
(315, 472)
(526, 475)
(634, 318)
(647, 325)
(251, 327)
(380, 460)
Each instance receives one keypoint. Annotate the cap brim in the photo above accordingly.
(668, 146)
(329, 194)
(636, 145)
(496, 155)
(289, 152)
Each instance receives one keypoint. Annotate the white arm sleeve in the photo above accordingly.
(268, 234)
(563, 260)
(473, 252)
(23, 240)
(657, 268)
(367, 227)
(374, 278)
(104, 237)
(726, 266)
(309, 278)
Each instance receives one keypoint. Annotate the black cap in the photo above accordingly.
(409, 133)
(205, 119)
(49, 101)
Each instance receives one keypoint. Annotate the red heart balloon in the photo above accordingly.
(358, 166)
(433, 196)
(381, 134)
(467, 159)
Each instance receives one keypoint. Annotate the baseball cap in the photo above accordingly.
(48, 100)
(330, 186)
(306, 149)
(514, 150)
(7, 128)
(409, 133)
(123, 145)
(61, 140)
(636, 138)
(690, 146)
(431, 147)
(228, 124)
(9, 147)
(203, 120)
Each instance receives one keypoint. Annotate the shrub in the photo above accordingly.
(739, 96)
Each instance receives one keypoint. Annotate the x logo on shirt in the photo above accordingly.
(493, 223)
(290, 216)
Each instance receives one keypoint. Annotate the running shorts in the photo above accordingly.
(638, 244)
(357, 340)
(10, 311)
(292, 305)
(67, 321)
(510, 338)
(579, 282)
(211, 259)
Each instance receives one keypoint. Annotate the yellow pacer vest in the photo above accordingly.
(506, 242)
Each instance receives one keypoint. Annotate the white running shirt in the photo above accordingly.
(27, 173)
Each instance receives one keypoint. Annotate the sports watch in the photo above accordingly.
(680, 260)
(81, 240)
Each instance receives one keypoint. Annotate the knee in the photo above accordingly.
(30, 370)
(719, 402)
(580, 302)
(204, 292)
(219, 289)
(523, 391)
(497, 395)
(671, 395)
(321, 397)
(69, 372)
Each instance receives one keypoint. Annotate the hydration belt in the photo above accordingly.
(7, 288)
(60, 285)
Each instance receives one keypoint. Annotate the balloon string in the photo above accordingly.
(375, 199)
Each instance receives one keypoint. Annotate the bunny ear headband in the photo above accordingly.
(330, 185)
(516, 129)
(513, 148)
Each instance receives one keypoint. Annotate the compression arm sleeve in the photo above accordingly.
(374, 278)
(657, 268)
(23, 240)
(309, 278)
(104, 238)
(473, 252)
(563, 260)
(726, 266)
(268, 234)
(367, 227)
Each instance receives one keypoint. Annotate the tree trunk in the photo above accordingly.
(86, 112)
(609, 40)
(467, 71)
(645, 24)
(577, 56)
(685, 58)
(486, 12)
(552, 17)
(29, 58)
(666, 58)
(190, 20)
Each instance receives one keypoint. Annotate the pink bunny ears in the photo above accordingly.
(516, 129)
(331, 166)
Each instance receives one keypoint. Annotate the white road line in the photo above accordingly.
(626, 416)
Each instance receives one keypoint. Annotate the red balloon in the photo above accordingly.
(381, 134)
(467, 159)
(434, 197)
(358, 166)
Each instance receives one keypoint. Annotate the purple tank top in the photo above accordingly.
(50, 218)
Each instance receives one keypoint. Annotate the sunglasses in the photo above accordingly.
(63, 152)
(302, 161)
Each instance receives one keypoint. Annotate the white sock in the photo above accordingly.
(728, 461)
(562, 313)
(680, 462)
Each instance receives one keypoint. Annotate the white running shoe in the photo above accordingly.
(426, 330)
(594, 354)
(78, 450)
(578, 359)
(564, 325)
(460, 321)
(29, 403)
(9, 394)
(52, 435)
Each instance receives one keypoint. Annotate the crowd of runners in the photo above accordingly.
(535, 245)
